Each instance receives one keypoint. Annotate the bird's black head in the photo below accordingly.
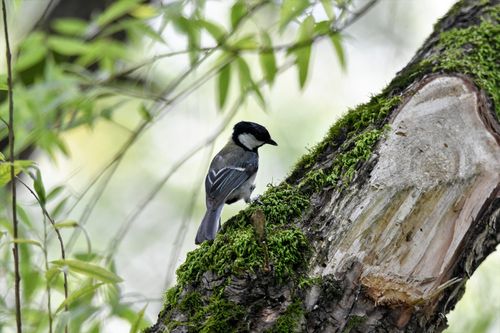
(251, 136)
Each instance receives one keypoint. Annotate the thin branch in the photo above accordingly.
(59, 237)
(15, 249)
(46, 261)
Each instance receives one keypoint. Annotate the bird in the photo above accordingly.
(231, 174)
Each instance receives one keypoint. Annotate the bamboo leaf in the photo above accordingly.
(214, 29)
(328, 8)
(70, 26)
(238, 11)
(303, 53)
(116, 10)
(19, 165)
(144, 11)
(79, 293)
(90, 270)
(223, 80)
(66, 224)
(67, 46)
(291, 9)
(244, 74)
(136, 326)
(27, 241)
(268, 59)
(336, 40)
(39, 188)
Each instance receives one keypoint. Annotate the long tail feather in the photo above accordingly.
(209, 225)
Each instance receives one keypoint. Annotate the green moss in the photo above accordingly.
(281, 204)
(353, 322)
(290, 319)
(474, 51)
(236, 248)
(308, 281)
(171, 298)
(215, 314)
(219, 315)
(352, 127)
(191, 303)
(288, 249)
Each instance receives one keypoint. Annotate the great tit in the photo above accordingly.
(232, 174)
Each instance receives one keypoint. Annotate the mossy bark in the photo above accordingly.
(377, 228)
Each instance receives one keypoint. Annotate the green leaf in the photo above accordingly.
(19, 165)
(247, 42)
(67, 46)
(70, 26)
(223, 81)
(140, 28)
(32, 51)
(2, 157)
(303, 53)
(90, 270)
(189, 27)
(55, 192)
(136, 326)
(66, 224)
(29, 57)
(322, 28)
(3, 83)
(27, 241)
(244, 74)
(51, 273)
(328, 8)
(238, 11)
(247, 84)
(291, 9)
(336, 39)
(39, 188)
(116, 10)
(268, 59)
(76, 295)
(145, 113)
(214, 29)
(144, 11)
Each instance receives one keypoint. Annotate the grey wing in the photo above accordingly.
(221, 183)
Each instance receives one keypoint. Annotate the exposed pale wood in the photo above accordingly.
(435, 171)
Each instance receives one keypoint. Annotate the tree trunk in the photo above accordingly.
(378, 227)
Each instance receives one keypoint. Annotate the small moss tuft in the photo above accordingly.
(353, 322)
(308, 281)
(290, 319)
(219, 315)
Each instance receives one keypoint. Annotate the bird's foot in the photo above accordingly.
(256, 200)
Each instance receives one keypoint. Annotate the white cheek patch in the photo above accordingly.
(249, 141)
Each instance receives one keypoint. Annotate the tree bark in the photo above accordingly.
(397, 207)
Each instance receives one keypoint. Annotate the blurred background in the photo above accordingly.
(112, 110)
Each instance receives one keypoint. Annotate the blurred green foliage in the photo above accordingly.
(79, 73)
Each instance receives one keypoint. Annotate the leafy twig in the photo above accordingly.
(59, 237)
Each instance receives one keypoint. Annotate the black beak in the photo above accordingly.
(271, 142)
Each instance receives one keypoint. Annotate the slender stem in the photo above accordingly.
(47, 287)
(59, 237)
(15, 249)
